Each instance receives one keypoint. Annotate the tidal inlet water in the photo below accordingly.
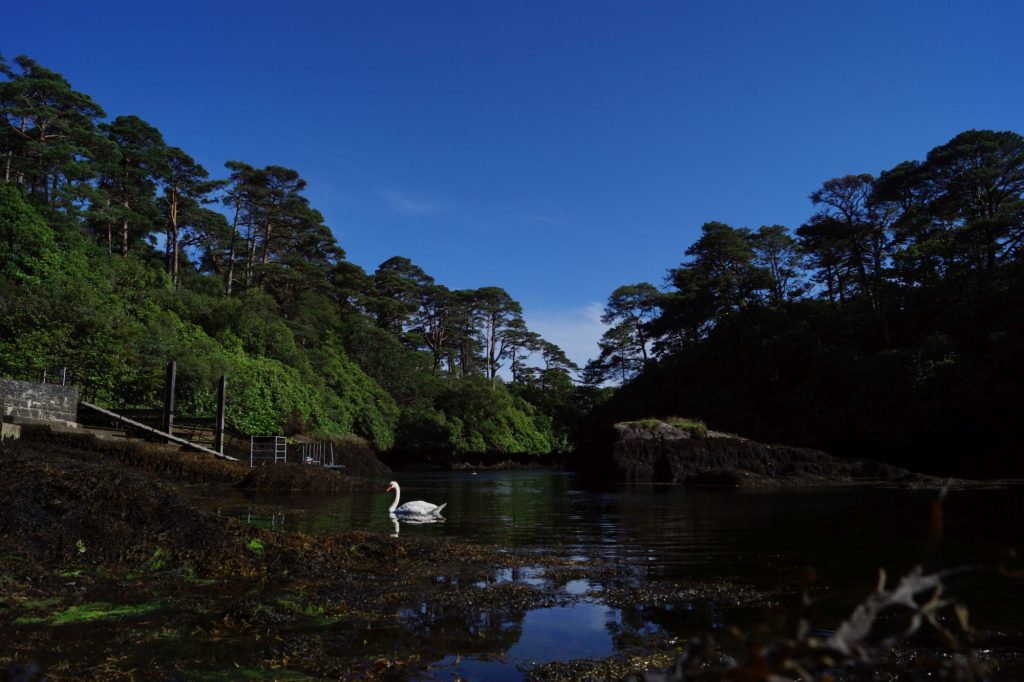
(764, 541)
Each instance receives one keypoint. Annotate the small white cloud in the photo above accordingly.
(575, 330)
(408, 206)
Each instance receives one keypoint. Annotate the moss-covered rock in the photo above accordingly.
(686, 452)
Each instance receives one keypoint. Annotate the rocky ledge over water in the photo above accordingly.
(658, 451)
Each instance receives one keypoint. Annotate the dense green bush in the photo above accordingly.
(490, 419)
(25, 238)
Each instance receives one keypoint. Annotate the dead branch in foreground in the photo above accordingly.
(851, 652)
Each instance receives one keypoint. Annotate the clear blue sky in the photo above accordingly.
(556, 149)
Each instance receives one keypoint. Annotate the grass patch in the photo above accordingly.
(34, 604)
(300, 605)
(196, 580)
(90, 612)
(696, 427)
(158, 560)
(648, 424)
(188, 574)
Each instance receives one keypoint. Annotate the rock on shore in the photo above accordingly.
(659, 452)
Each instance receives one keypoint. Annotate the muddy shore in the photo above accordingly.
(107, 572)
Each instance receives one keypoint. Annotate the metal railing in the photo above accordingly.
(122, 422)
(38, 375)
(264, 450)
(320, 453)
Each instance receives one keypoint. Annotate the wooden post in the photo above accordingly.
(222, 391)
(172, 370)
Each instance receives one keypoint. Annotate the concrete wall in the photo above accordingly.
(45, 402)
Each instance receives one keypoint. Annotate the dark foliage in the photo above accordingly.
(892, 327)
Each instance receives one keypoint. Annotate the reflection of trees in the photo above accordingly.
(638, 622)
(308, 512)
(526, 500)
(667, 533)
(632, 627)
(462, 625)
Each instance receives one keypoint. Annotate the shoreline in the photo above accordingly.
(126, 575)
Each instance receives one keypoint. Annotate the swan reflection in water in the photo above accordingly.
(412, 521)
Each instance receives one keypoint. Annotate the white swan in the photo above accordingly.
(416, 508)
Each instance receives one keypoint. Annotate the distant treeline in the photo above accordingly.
(119, 252)
(890, 325)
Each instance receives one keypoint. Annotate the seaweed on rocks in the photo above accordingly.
(65, 509)
(301, 478)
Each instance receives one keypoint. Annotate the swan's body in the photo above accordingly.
(414, 508)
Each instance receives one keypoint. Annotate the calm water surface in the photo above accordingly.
(764, 538)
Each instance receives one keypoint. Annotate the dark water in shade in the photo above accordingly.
(766, 538)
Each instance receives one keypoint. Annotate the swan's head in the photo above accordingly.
(391, 486)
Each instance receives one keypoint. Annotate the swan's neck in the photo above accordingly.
(394, 505)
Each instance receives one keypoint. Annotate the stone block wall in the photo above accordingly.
(43, 402)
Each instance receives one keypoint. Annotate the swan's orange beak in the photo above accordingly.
(389, 489)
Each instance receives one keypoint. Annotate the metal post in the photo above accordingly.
(172, 369)
(222, 391)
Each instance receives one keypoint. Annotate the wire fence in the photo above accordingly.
(40, 375)
(265, 450)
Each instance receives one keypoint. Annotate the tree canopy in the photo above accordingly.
(118, 252)
(889, 325)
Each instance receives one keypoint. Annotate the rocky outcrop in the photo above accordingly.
(659, 452)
